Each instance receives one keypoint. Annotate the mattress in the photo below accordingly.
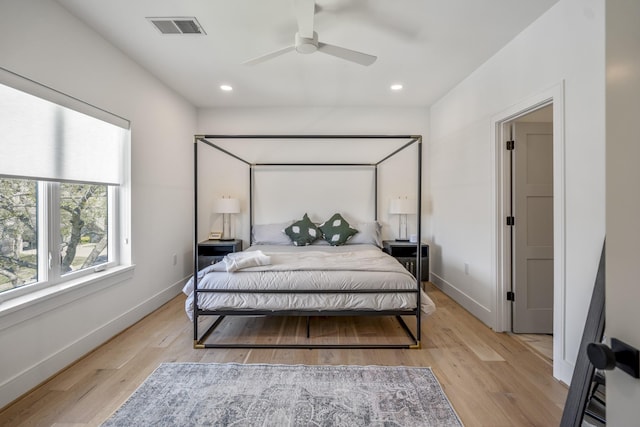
(348, 267)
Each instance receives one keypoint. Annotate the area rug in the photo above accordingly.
(212, 394)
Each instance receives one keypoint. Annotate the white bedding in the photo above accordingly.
(311, 268)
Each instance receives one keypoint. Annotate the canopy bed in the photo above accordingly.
(301, 267)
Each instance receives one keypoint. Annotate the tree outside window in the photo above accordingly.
(83, 229)
(18, 233)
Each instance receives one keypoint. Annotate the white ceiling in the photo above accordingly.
(427, 45)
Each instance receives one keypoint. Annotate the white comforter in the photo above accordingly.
(312, 268)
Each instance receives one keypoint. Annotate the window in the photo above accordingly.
(60, 174)
(83, 226)
(18, 233)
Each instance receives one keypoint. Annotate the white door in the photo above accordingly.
(533, 229)
(623, 200)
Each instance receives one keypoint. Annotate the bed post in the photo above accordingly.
(375, 192)
(195, 242)
(251, 204)
(419, 240)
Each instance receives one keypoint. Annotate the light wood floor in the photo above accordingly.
(541, 343)
(491, 379)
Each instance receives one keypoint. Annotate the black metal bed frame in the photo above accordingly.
(199, 340)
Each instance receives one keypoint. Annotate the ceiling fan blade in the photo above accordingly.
(348, 54)
(305, 11)
(268, 56)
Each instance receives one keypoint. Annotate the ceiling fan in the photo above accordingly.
(306, 40)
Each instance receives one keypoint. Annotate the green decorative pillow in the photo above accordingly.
(336, 230)
(303, 232)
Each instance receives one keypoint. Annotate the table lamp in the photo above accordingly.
(402, 207)
(227, 206)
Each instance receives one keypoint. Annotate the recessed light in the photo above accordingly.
(396, 86)
(226, 88)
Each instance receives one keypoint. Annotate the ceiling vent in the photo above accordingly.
(181, 25)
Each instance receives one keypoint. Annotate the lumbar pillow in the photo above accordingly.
(303, 232)
(336, 230)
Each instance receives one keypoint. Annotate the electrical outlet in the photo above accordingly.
(175, 259)
(466, 268)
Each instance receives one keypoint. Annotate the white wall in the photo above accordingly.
(395, 179)
(41, 41)
(565, 44)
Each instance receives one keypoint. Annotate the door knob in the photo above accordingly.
(620, 355)
(601, 356)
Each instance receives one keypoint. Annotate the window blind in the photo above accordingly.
(47, 140)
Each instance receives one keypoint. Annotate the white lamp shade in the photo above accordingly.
(228, 206)
(402, 206)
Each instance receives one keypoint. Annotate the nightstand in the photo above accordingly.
(212, 251)
(405, 253)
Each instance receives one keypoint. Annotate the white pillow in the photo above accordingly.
(271, 234)
(369, 233)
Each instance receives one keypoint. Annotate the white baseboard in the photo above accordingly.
(563, 371)
(36, 374)
(484, 314)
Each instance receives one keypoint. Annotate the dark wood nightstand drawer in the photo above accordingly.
(204, 260)
(406, 254)
(212, 251)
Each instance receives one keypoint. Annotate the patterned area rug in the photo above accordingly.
(203, 394)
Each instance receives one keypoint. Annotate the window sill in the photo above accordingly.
(24, 307)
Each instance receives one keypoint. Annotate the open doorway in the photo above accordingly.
(553, 96)
(529, 180)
